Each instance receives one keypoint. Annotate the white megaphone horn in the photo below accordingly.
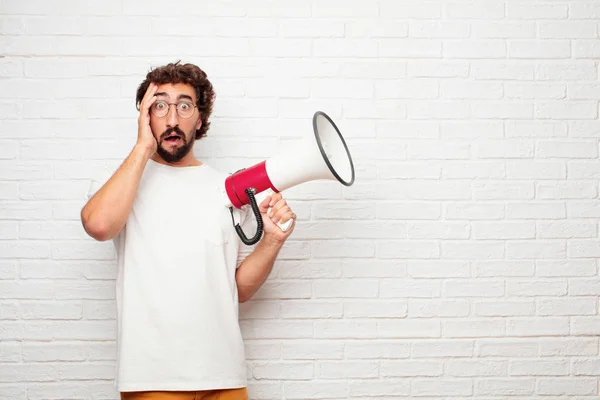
(327, 157)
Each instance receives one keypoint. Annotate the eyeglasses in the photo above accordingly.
(185, 109)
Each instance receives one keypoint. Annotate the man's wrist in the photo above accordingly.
(272, 241)
(143, 150)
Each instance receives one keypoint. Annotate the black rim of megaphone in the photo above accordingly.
(316, 131)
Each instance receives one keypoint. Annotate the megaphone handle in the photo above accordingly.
(284, 227)
(259, 221)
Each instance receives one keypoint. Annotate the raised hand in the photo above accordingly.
(145, 137)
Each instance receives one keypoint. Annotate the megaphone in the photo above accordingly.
(325, 158)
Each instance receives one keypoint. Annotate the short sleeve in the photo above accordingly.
(96, 182)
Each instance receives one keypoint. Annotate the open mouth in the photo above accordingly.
(173, 139)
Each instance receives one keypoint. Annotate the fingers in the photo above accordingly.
(277, 205)
(151, 101)
(275, 198)
(276, 208)
(285, 217)
(269, 202)
(149, 97)
(263, 207)
(281, 212)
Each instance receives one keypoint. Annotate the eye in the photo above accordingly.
(160, 105)
(184, 106)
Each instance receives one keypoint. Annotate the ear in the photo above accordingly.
(199, 123)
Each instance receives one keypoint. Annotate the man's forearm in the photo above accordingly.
(106, 212)
(255, 269)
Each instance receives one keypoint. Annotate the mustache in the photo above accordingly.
(171, 130)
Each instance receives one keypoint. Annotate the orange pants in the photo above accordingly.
(221, 394)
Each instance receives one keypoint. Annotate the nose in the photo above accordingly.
(172, 117)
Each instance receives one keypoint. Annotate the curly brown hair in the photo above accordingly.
(183, 73)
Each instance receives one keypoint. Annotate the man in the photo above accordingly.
(179, 273)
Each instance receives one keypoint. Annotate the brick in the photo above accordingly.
(412, 368)
(537, 11)
(411, 9)
(562, 347)
(504, 308)
(536, 129)
(523, 91)
(315, 390)
(471, 249)
(438, 308)
(347, 369)
(375, 309)
(474, 211)
(470, 368)
(9, 310)
(471, 129)
(345, 329)
(381, 349)
(539, 49)
(503, 30)
(10, 353)
(567, 386)
(292, 269)
(507, 347)
(312, 350)
(507, 268)
(586, 367)
(437, 68)
(442, 387)
(539, 368)
(409, 328)
(473, 328)
(503, 230)
(404, 288)
(287, 370)
(471, 9)
(586, 48)
(373, 28)
(548, 268)
(585, 326)
(50, 310)
(549, 326)
(47, 352)
(28, 373)
(505, 190)
(566, 110)
(389, 387)
(438, 230)
(346, 288)
(540, 287)
(578, 306)
(475, 49)
(506, 387)
(565, 71)
(586, 286)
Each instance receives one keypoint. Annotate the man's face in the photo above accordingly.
(174, 134)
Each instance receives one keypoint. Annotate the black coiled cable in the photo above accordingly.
(259, 221)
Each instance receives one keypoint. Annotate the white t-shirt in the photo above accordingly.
(177, 301)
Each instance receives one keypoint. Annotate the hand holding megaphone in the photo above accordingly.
(284, 226)
(325, 157)
(278, 217)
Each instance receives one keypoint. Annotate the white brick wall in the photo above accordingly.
(463, 262)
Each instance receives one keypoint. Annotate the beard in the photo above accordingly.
(173, 154)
